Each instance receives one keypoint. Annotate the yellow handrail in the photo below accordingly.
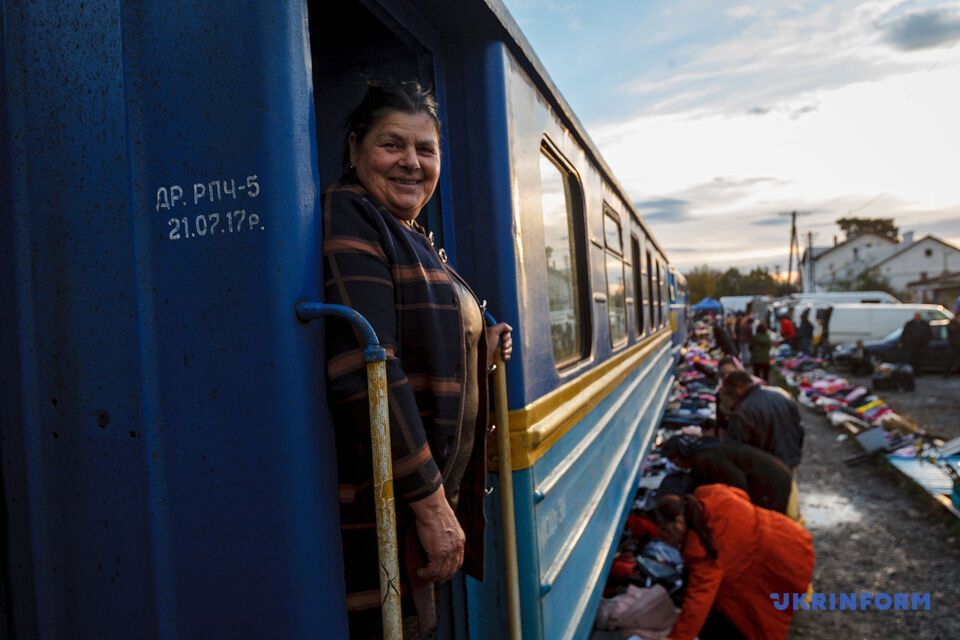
(383, 495)
(510, 567)
(387, 550)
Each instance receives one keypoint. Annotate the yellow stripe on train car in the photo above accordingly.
(536, 427)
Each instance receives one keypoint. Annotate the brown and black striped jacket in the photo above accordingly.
(392, 274)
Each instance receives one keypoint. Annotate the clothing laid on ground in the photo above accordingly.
(759, 552)
(768, 418)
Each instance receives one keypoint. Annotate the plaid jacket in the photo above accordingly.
(392, 275)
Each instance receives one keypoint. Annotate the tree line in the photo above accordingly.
(705, 281)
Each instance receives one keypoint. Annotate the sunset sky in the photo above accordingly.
(716, 116)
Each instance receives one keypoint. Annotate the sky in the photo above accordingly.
(718, 116)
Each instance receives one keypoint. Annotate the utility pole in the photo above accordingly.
(794, 250)
(813, 278)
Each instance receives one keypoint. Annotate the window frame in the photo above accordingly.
(640, 325)
(657, 263)
(576, 220)
(618, 254)
(653, 313)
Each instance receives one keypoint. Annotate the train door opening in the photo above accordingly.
(353, 42)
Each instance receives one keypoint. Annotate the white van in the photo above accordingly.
(841, 297)
(738, 304)
(852, 322)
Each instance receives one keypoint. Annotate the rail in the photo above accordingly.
(376, 358)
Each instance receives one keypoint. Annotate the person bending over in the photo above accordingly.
(737, 555)
(767, 418)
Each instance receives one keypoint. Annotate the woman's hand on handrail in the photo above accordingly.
(440, 535)
(497, 334)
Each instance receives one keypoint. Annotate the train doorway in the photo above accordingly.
(352, 42)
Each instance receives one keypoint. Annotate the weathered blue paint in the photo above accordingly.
(168, 464)
(372, 351)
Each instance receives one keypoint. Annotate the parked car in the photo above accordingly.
(888, 349)
(873, 322)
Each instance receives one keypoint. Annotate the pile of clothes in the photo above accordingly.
(645, 584)
(842, 401)
(879, 429)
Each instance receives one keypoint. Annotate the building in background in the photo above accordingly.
(871, 255)
(944, 289)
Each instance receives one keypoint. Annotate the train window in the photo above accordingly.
(616, 296)
(650, 295)
(659, 296)
(638, 296)
(562, 234)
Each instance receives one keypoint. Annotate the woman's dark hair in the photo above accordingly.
(805, 315)
(670, 507)
(383, 97)
(738, 378)
(725, 360)
(762, 327)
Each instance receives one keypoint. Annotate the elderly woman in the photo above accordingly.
(736, 555)
(379, 261)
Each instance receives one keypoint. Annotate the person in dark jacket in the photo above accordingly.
(914, 337)
(952, 356)
(723, 339)
(744, 333)
(760, 352)
(766, 479)
(805, 333)
(765, 417)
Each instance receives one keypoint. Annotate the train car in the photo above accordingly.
(167, 454)
(679, 308)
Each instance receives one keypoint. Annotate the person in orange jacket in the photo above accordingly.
(788, 331)
(737, 555)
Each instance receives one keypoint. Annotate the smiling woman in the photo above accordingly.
(384, 265)
(398, 161)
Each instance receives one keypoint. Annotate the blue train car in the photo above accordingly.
(167, 455)
(679, 308)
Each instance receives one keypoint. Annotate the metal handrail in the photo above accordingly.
(376, 358)
(511, 568)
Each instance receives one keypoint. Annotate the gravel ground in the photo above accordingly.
(874, 532)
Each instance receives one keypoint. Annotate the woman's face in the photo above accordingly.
(674, 531)
(398, 162)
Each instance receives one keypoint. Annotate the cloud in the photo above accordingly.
(778, 221)
(671, 210)
(802, 111)
(778, 60)
(924, 30)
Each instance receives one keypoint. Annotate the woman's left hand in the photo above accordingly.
(497, 334)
